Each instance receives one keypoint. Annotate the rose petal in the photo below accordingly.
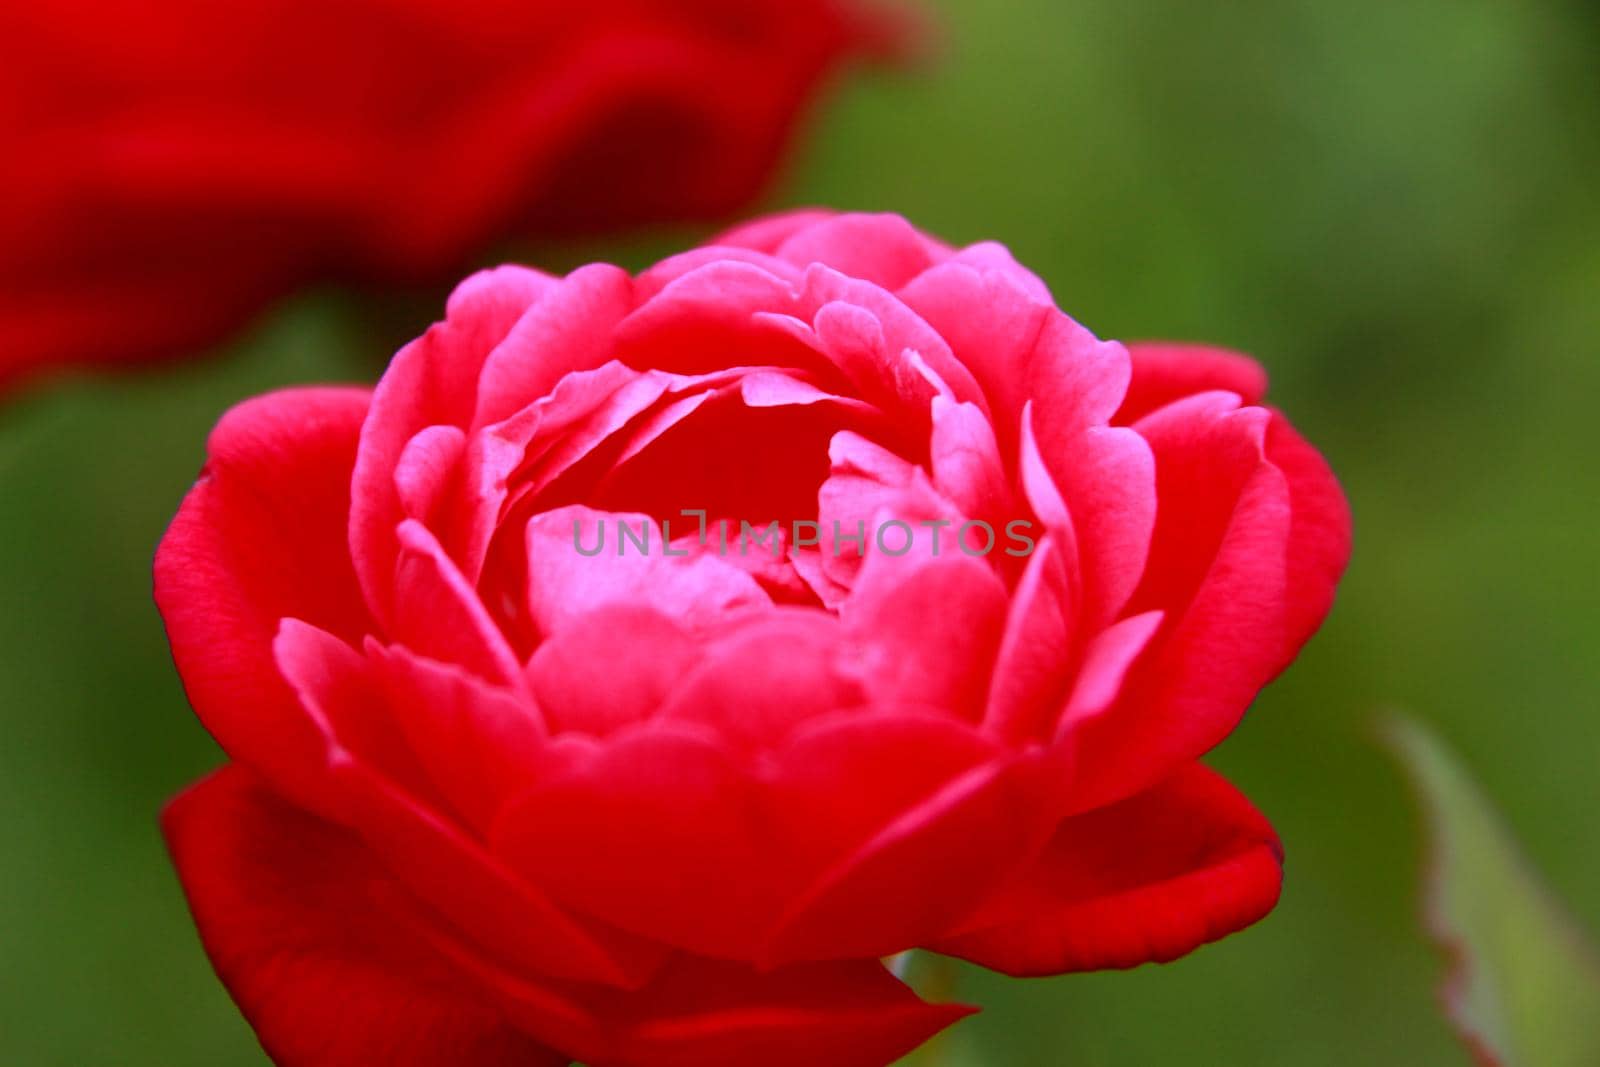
(610, 668)
(1147, 879)
(477, 743)
(966, 839)
(1218, 569)
(431, 382)
(877, 807)
(430, 462)
(966, 464)
(568, 578)
(1107, 478)
(844, 1014)
(682, 811)
(994, 256)
(768, 675)
(686, 809)
(261, 537)
(659, 276)
(895, 359)
(1319, 532)
(767, 234)
(422, 843)
(707, 1013)
(311, 937)
(1035, 656)
(882, 249)
(926, 628)
(710, 318)
(569, 329)
(437, 612)
(1104, 667)
(1164, 372)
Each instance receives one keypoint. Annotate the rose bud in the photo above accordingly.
(170, 168)
(630, 672)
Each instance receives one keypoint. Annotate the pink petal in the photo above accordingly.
(431, 382)
(424, 476)
(1074, 380)
(994, 256)
(991, 322)
(569, 329)
(662, 274)
(564, 583)
(894, 357)
(1107, 477)
(885, 250)
(715, 452)
(867, 481)
(537, 445)
(1218, 570)
(1040, 488)
(766, 676)
(1036, 652)
(966, 464)
(926, 628)
(1103, 670)
(610, 668)
(710, 318)
(477, 743)
(437, 613)
(581, 424)
(1148, 879)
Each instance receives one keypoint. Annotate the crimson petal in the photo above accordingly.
(310, 937)
(261, 537)
(1148, 879)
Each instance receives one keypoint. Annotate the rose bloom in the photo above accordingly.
(500, 798)
(168, 168)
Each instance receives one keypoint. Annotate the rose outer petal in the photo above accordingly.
(1148, 879)
(261, 537)
(317, 944)
(1218, 572)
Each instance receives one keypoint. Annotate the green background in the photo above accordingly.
(1392, 203)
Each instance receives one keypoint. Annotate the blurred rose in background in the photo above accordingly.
(170, 168)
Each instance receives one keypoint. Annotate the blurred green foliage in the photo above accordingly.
(1392, 203)
(1523, 978)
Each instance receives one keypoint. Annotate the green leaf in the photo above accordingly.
(1523, 986)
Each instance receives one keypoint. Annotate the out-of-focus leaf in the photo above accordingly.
(936, 978)
(1524, 983)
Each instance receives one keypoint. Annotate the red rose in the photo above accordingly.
(662, 802)
(171, 167)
